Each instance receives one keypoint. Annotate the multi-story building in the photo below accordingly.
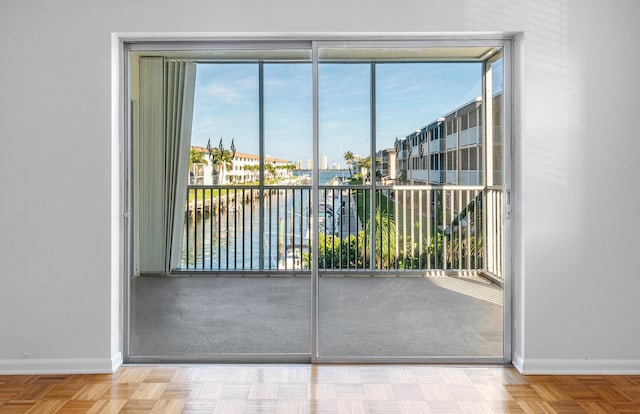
(324, 163)
(450, 149)
(244, 168)
(387, 158)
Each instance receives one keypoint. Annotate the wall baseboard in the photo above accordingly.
(60, 366)
(116, 361)
(517, 361)
(577, 366)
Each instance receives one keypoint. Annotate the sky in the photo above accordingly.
(408, 97)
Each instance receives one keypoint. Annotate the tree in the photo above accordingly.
(365, 167)
(195, 158)
(270, 168)
(288, 168)
(385, 234)
(221, 160)
(253, 170)
(348, 157)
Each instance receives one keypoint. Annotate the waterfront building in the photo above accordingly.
(449, 150)
(244, 168)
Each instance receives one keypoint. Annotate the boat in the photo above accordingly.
(293, 258)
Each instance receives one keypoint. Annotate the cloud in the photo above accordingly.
(232, 91)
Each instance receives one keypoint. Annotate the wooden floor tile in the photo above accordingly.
(137, 406)
(442, 407)
(199, 407)
(594, 407)
(258, 406)
(268, 375)
(407, 392)
(33, 392)
(42, 407)
(293, 392)
(295, 376)
(494, 392)
(293, 407)
(375, 375)
(322, 392)
(567, 407)
(234, 391)
(178, 391)
(351, 407)
(382, 407)
(168, 407)
(413, 407)
(76, 407)
(374, 392)
(230, 406)
(631, 392)
(134, 375)
(536, 407)
(436, 392)
(262, 391)
(161, 375)
(323, 406)
(476, 407)
(523, 393)
(551, 392)
(581, 393)
(350, 392)
(62, 391)
(91, 392)
(401, 375)
(148, 391)
(107, 407)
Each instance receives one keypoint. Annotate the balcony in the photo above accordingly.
(414, 284)
(416, 229)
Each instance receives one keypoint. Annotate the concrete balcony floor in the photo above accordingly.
(439, 316)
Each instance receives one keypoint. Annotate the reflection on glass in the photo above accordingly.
(497, 84)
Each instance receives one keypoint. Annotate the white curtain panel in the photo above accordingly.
(165, 112)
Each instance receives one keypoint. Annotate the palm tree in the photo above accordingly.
(195, 158)
(221, 160)
(365, 166)
(385, 234)
(348, 157)
(253, 169)
(270, 168)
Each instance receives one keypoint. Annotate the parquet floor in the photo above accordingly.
(310, 389)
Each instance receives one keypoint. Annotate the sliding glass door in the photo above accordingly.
(245, 217)
(342, 201)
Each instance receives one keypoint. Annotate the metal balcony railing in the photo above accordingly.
(408, 228)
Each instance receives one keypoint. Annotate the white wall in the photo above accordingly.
(576, 230)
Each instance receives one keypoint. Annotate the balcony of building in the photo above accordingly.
(423, 277)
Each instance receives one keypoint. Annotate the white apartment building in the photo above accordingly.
(244, 168)
(449, 150)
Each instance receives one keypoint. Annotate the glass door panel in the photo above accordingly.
(247, 199)
(417, 287)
